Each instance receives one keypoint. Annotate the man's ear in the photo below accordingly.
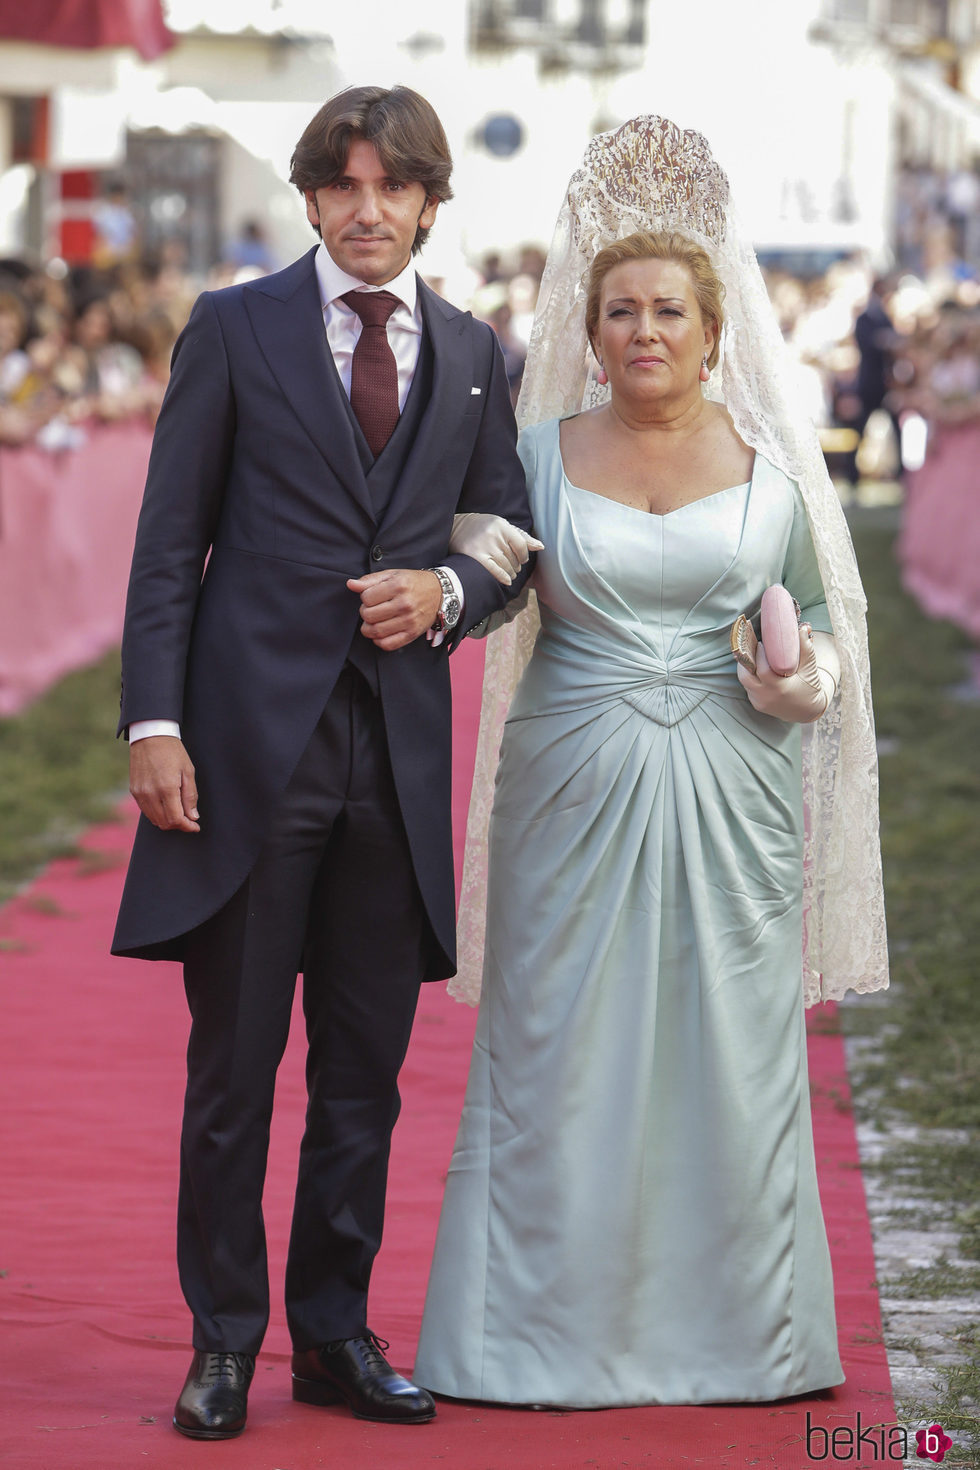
(312, 212)
(427, 217)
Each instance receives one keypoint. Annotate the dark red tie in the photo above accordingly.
(373, 373)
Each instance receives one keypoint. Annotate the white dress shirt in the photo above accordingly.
(343, 327)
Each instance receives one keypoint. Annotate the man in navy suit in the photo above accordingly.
(286, 694)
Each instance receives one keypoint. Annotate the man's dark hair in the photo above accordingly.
(400, 124)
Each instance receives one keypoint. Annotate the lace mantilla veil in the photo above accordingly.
(649, 175)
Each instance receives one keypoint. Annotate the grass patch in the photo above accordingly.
(927, 1067)
(941, 1278)
(61, 768)
(924, 1065)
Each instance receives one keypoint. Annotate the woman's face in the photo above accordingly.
(93, 328)
(650, 337)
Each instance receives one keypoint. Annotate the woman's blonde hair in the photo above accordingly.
(660, 245)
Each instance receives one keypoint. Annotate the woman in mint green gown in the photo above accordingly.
(631, 1214)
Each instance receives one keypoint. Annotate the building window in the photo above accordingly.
(599, 24)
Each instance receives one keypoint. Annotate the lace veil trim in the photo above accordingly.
(649, 175)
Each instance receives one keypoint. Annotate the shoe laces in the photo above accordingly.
(373, 1348)
(226, 1365)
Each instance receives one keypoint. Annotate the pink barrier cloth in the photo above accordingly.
(939, 546)
(67, 523)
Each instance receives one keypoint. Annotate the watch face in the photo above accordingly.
(451, 611)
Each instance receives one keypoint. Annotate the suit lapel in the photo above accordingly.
(287, 320)
(452, 380)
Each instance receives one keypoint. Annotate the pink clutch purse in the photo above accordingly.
(780, 628)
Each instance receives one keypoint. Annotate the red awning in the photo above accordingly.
(88, 23)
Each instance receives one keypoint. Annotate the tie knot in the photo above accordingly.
(373, 307)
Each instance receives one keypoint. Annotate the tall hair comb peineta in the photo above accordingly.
(647, 174)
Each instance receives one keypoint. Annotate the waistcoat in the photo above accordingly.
(383, 474)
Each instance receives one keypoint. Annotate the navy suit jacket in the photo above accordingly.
(238, 620)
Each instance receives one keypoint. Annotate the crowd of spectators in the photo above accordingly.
(935, 368)
(885, 362)
(506, 299)
(937, 220)
(93, 343)
(85, 345)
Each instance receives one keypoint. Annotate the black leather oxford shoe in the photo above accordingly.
(213, 1401)
(355, 1371)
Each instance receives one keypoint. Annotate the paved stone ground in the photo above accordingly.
(910, 1233)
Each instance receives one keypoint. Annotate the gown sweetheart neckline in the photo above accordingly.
(656, 515)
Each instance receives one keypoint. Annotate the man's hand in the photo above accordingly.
(397, 606)
(161, 779)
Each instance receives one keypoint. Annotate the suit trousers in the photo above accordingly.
(333, 892)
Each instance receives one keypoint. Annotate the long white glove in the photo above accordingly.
(801, 697)
(493, 542)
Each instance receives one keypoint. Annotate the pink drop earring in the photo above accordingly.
(705, 372)
(601, 378)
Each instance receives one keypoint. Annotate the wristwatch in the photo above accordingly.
(448, 615)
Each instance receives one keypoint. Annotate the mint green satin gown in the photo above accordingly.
(631, 1214)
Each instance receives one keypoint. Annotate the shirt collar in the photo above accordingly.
(334, 282)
